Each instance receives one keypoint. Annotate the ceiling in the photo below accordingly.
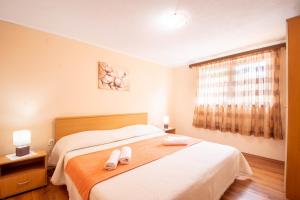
(132, 26)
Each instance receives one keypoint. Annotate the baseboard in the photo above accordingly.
(264, 158)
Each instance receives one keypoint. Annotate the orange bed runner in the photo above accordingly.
(88, 170)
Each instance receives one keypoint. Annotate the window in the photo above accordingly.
(227, 84)
(240, 95)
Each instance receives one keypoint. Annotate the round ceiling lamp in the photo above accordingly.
(173, 20)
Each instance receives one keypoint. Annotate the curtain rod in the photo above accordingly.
(276, 46)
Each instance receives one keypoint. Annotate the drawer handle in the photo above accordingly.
(24, 183)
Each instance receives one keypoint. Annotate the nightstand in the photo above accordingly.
(170, 130)
(23, 174)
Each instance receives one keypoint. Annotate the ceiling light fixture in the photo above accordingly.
(174, 19)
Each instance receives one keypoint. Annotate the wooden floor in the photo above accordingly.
(266, 183)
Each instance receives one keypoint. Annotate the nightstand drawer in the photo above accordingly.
(170, 130)
(20, 182)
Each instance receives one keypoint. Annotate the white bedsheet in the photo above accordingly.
(202, 171)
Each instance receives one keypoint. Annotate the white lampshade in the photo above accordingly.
(21, 138)
(166, 120)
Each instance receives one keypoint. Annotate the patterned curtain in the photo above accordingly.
(241, 95)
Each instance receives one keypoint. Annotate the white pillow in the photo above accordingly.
(92, 138)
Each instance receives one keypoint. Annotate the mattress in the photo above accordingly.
(201, 171)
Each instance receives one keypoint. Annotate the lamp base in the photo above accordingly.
(22, 151)
(166, 126)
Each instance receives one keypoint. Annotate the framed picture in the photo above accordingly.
(110, 78)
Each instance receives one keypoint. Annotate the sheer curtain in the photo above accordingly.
(241, 95)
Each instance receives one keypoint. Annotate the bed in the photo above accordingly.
(201, 171)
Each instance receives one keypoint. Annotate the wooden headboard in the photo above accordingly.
(69, 125)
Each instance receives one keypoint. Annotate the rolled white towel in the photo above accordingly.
(176, 140)
(113, 160)
(125, 156)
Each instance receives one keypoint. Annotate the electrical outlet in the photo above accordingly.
(51, 142)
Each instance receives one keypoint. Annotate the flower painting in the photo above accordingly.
(112, 79)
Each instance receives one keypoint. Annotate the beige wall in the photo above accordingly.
(183, 102)
(43, 76)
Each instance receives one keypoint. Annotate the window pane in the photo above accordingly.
(235, 84)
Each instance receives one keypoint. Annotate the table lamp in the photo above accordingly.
(22, 140)
(166, 122)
